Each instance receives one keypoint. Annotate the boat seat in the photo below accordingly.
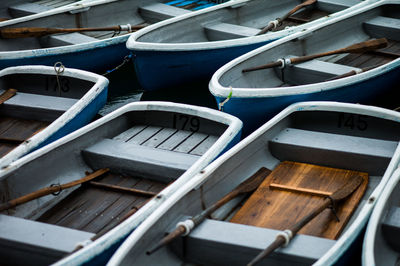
(383, 27)
(313, 71)
(236, 244)
(157, 12)
(334, 150)
(391, 227)
(134, 159)
(336, 5)
(41, 107)
(65, 39)
(227, 31)
(26, 9)
(19, 236)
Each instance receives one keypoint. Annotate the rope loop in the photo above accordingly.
(287, 235)
(59, 69)
(59, 189)
(126, 59)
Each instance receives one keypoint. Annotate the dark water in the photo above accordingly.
(124, 88)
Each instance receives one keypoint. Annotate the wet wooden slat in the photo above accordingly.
(204, 146)
(191, 143)
(175, 140)
(144, 135)
(95, 210)
(130, 133)
(276, 209)
(160, 137)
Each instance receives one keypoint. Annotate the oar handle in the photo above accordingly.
(180, 230)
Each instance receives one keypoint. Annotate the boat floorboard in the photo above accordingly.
(13, 131)
(372, 58)
(301, 18)
(97, 210)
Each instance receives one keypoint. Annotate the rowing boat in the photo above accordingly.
(47, 104)
(381, 242)
(97, 51)
(256, 96)
(139, 154)
(311, 148)
(192, 47)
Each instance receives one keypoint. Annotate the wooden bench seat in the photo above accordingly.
(236, 244)
(134, 159)
(156, 12)
(33, 106)
(380, 27)
(313, 71)
(341, 151)
(45, 242)
(391, 227)
(227, 31)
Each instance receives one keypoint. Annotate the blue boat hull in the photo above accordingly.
(256, 111)
(99, 58)
(165, 69)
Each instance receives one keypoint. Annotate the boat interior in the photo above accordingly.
(146, 12)
(387, 236)
(381, 22)
(339, 143)
(242, 20)
(140, 153)
(38, 101)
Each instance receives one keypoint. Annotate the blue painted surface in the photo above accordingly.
(164, 69)
(81, 119)
(96, 59)
(254, 112)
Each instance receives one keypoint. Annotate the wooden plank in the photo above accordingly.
(281, 209)
(175, 140)
(191, 142)
(130, 133)
(94, 210)
(204, 146)
(160, 137)
(7, 95)
(144, 135)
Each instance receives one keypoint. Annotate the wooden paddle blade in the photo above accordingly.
(254, 181)
(366, 46)
(347, 189)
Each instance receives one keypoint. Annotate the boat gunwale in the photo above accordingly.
(368, 249)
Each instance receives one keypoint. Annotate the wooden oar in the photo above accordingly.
(183, 228)
(353, 72)
(288, 234)
(361, 47)
(49, 190)
(273, 24)
(7, 95)
(25, 32)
